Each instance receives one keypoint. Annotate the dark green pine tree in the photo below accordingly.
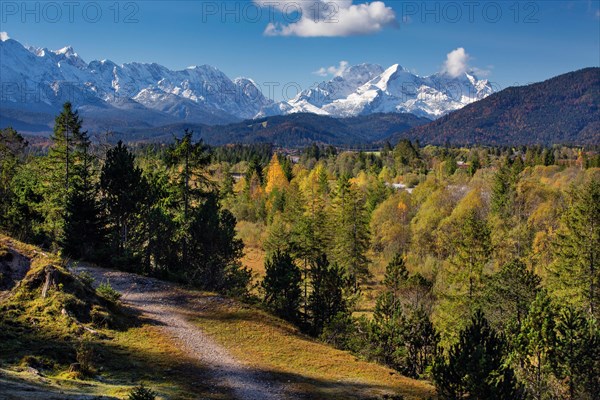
(282, 286)
(189, 161)
(420, 340)
(402, 336)
(65, 153)
(327, 297)
(508, 294)
(83, 234)
(475, 368)
(503, 189)
(577, 355)
(214, 248)
(123, 191)
(12, 148)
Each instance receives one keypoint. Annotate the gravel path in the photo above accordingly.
(168, 304)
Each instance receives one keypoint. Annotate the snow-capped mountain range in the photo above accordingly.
(35, 82)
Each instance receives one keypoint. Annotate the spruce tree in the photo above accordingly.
(12, 148)
(351, 233)
(508, 294)
(123, 189)
(281, 285)
(189, 161)
(472, 251)
(83, 235)
(536, 345)
(475, 367)
(327, 297)
(69, 143)
(577, 353)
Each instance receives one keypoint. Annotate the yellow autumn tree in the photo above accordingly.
(276, 178)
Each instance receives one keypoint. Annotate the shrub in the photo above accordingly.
(86, 278)
(84, 356)
(141, 393)
(101, 318)
(106, 290)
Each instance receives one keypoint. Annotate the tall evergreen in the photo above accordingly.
(535, 346)
(578, 353)
(402, 336)
(83, 235)
(503, 188)
(213, 247)
(69, 149)
(508, 294)
(189, 161)
(123, 190)
(351, 232)
(326, 299)
(472, 251)
(576, 272)
(12, 148)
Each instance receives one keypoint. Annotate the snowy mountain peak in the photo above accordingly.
(368, 88)
(157, 94)
(153, 94)
(4, 36)
(67, 51)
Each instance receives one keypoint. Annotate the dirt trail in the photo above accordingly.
(168, 305)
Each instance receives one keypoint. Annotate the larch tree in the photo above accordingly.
(276, 177)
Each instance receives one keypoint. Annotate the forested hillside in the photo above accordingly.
(295, 130)
(471, 268)
(561, 110)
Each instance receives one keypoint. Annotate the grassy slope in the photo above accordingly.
(138, 352)
(314, 369)
(36, 336)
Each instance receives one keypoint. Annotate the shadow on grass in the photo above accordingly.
(115, 363)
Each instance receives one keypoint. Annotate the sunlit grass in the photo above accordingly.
(310, 367)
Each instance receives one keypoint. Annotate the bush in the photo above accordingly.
(340, 332)
(141, 393)
(101, 318)
(237, 280)
(86, 278)
(106, 290)
(84, 355)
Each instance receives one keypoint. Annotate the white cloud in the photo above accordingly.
(4, 36)
(457, 62)
(328, 18)
(333, 70)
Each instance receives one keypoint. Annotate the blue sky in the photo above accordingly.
(507, 41)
